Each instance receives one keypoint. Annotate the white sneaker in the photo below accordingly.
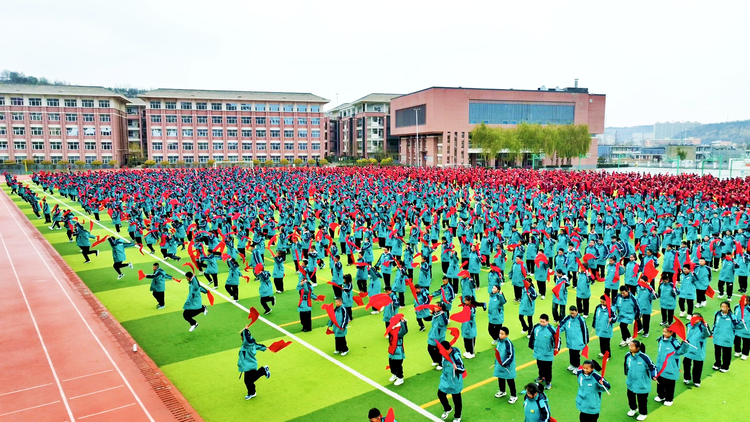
(130, 264)
(686, 382)
(512, 399)
(724, 370)
(193, 327)
(456, 419)
(344, 353)
(631, 413)
(744, 357)
(494, 342)
(399, 381)
(668, 403)
(392, 378)
(374, 312)
(434, 364)
(703, 304)
(641, 417)
(336, 352)
(697, 384)
(682, 314)
(698, 305)
(721, 296)
(467, 354)
(571, 368)
(623, 343)
(542, 297)
(119, 276)
(500, 394)
(601, 355)
(738, 354)
(445, 414)
(438, 368)
(205, 310)
(658, 399)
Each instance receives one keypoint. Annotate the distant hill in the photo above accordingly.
(737, 132)
(626, 133)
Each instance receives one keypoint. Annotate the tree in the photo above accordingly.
(210, 163)
(46, 163)
(149, 163)
(28, 162)
(268, 163)
(80, 163)
(284, 162)
(298, 161)
(386, 161)
(96, 163)
(681, 153)
(256, 162)
(180, 162)
(324, 162)
(63, 162)
(113, 163)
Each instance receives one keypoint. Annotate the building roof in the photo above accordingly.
(137, 102)
(61, 90)
(376, 98)
(339, 107)
(568, 90)
(233, 95)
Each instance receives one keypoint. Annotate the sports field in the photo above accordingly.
(310, 383)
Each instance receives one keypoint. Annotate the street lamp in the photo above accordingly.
(416, 124)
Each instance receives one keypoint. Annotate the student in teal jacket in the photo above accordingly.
(645, 298)
(247, 363)
(697, 334)
(541, 275)
(591, 385)
(265, 291)
(560, 301)
(340, 327)
(495, 313)
(211, 269)
(627, 310)
(742, 332)
(576, 337)
(668, 365)
(469, 328)
(83, 240)
(505, 366)
(157, 284)
(436, 335)
(118, 254)
(583, 291)
(232, 285)
(723, 330)
(667, 301)
(396, 353)
(603, 325)
(194, 303)
(639, 372)
(544, 344)
(527, 307)
(451, 381)
(278, 271)
(306, 296)
(535, 404)
(726, 276)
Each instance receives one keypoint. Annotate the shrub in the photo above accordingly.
(210, 163)
(180, 162)
(256, 162)
(80, 163)
(96, 163)
(9, 162)
(28, 162)
(46, 163)
(311, 162)
(164, 163)
(323, 162)
(284, 162)
(63, 162)
(113, 163)
(386, 161)
(149, 163)
(298, 161)
(268, 163)
(372, 161)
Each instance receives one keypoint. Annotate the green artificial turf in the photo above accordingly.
(306, 387)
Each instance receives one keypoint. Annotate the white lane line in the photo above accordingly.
(91, 331)
(36, 327)
(25, 389)
(319, 352)
(89, 375)
(96, 392)
(107, 411)
(29, 408)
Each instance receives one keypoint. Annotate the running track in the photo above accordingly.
(63, 357)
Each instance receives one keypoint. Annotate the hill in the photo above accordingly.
(737, 132)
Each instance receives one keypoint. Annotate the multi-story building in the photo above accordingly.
(433, 125)
(198, 125)
(363, 127)
(137, 133)
(62, 122)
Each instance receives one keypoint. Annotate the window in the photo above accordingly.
(203, 145)
(35, 102)
(288, 107)
(89, 145)
(72, 158)
(289, 146)
(315, 121)
(315, 146)
(37, 145)
(247, 120)
(155, 132)
(231, 120)
(247, 146)
(19, 144)
(19, 131)
(260, 107)
(246, 107)
(185, 105)
(73, 145)
(2, 100)
(88, 117)
(289, 133)
(218, 146)
(107, 145)
(171, 132)
(261, 158)
(260, 146)
(37, 131)
(495, 112)
(216, 106)
(202, 119)
(202, 133)
(302, 146)
(301, 109)
(275, 121)
(201, 106)
(316, 134)
(315, 109)
(174, 146)
(288, 121)
(217, 132)
(36, 117)
(231, 133)
(105, 131)
(260, 133)
(54, 131)
(155, 119)
(232, 145)
(302, 121)
(87, 103)
(71, 117)
(154, 104)
(289, 158)
(231, 106)
(17, 116)
(188, 159)
(55, 145)
(216, 120)
(89, 131)
(104, 103)
(408, 117)
(53, 117)
(19, 101)
(132, 110)
(171, 118)
(275, 159)
(260, 120)
(275, 133)
(274, 107)
(105, 118)
(3, 145)
(53, 102)
(170, 105)
(72, 131)
(187, 146)
(187, 119)
(302, 133)
(3, 131)
(2, 116)
(157, 146)
(158, 158)
(247, 157)
(187, 132)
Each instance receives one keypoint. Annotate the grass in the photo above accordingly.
(305, 386)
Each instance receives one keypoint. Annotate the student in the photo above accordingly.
(505, 366)
(590, 388)
(247, 363)
(540, 275)
(392, 308)
(232, 285)
(535, 404)
(602, 323)
(265, 291)
(278, 272)
(340, 327)
(347, 296)
(374, 415)
(396, 353)
(193, 304)
(451, 381)
(645, 298)
(118, 254)
(726, 276)
(542, 342)
(361, 275)
(437, 335)
(423, 298)
(446, 294)
(583, 292)
(668, 364)
(701, 282)
(517, 276)
(697, 333)
(373, 287)
(576, 337)
(157, 284)
(561, 300)
(495, 313)
(723, 330)
(612, 279)
(627, 311)
(83, 240)
(668, 293)
(306, 296)
(742, 331)
(527, 307)
(469, 329)
(211, 269)
(639, 370)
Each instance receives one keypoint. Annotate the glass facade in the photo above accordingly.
(514, 112)
(408, 116)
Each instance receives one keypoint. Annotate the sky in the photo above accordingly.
(657, 60)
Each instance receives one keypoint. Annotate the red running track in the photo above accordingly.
(60, 361)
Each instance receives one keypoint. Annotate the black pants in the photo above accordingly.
(722, 356)
(667, 315)
(469, 345)
(118, 265)
(421, 324)
(517, 290)
(729, 286)
(529, 266)
(700, 296)
(511, 385)
(341, 344)
(573, 276)
(638, 402)
(150, 246)
(212, 278)
(434, 354)
(475, 279)
(665, 389)
(117, 228)
(612, 293)
(454, 284)
(188, 314)
(542, 287)
(48, 220)
(233, 291)
(588, 417)
(693, 370)
(387, 279)
(545, 370)
(644, 322)
(742, 279)
(397, 367)
(625, 331)
(690, 303)
(716, 262)
(349, 312)
(558, 312)
(86, 251)
(446, 405)
(362, 285)
(575, 357)
(279, 284)
(494, 330)
(604, 345)
(525, 322)
(445, 266)
(251, 377)
(742, 345)
(305, 318)
(583, 306)
(159, 296)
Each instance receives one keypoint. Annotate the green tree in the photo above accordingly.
(80, 163)
(96, 163)
(298, 161)
(681, 153)
(113, 163)
(268, 163)
(149, 163)
(324, 162)
(284, 162)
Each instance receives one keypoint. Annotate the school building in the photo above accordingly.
(362, 128)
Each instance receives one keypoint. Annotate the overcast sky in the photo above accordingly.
(655, 60)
